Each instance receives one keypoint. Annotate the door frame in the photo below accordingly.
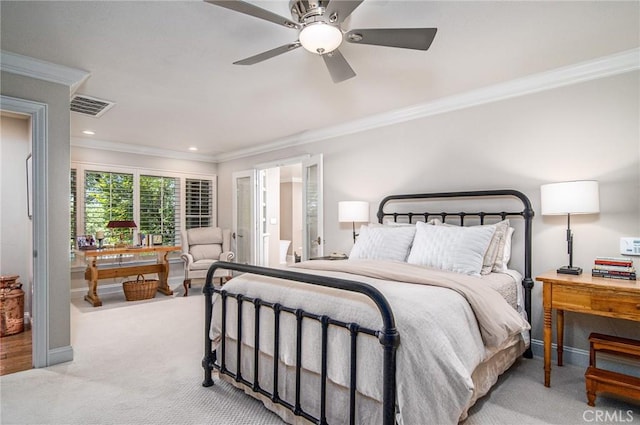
(40, 288)
(313, 160)
(252, 175)
(260, 197)
(304, 160)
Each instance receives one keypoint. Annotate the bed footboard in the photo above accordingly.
(388, 337)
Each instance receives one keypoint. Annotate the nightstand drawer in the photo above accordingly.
(574, 298)
(621, 304)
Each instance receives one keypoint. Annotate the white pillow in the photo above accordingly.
(383, 243)
(504, 252)
(495, 249)
(496, 246)
(453, 248)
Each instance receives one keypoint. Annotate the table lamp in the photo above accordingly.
(573, 197)
(100, 238)
(353, 211)
(121, 224)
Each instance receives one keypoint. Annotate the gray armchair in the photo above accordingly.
(201, 247)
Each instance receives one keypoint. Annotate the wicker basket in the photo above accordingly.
(140, 289)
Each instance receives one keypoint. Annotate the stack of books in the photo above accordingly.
(614, 268)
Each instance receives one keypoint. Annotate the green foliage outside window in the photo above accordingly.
(108, 196)
(158, 205)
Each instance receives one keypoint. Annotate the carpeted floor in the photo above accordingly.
(139, 363)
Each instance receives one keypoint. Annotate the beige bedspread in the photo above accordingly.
(497, 323)
(442, 341)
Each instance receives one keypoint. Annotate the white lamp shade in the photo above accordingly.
(575, 197)
(353, 211)
(320, 38)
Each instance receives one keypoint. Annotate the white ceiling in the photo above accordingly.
(168, 64)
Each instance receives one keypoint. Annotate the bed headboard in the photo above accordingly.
(470, 202)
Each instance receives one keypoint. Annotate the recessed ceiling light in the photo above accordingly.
(193, 148)
(89, 132)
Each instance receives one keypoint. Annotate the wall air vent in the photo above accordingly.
(91, 106)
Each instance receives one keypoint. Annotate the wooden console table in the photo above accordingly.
(92, 274)
(583, 294)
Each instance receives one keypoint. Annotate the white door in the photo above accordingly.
(313, 236)
(244, 231)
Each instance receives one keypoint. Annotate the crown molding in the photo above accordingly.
(105, 145)
(42, 70)
(607, 66)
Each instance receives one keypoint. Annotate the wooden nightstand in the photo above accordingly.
(584, 294)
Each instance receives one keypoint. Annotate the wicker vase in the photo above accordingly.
(11, 306)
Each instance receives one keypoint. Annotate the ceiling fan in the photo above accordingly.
(318, 23)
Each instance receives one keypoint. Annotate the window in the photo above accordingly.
(159, 200)
(199, 208)
(107, 196)
(160, 203)
(73, 202)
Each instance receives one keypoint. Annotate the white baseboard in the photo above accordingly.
(580, 357)
(573, 356)
(60, 355)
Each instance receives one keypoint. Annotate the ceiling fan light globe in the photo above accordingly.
(320, 38)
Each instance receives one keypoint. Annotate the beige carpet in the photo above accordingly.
(140, 363)
(117, 300)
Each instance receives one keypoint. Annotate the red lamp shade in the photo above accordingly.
(122, 224)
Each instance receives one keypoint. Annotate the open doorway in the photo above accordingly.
(281, 215)
(37, 227)
(15, 242)
(278, 213)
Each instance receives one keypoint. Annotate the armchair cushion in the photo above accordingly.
(205, 252)
(202, 264)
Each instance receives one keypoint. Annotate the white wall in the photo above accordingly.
(584, 131)
(15, 227)
(56, 97)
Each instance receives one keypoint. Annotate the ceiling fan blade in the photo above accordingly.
(268, 54)
(338, 66)
(407, 38)
(255, 11)
(342, 9)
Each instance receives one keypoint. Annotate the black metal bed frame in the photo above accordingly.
(388, 336)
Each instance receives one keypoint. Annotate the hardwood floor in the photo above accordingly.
(16, 353)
